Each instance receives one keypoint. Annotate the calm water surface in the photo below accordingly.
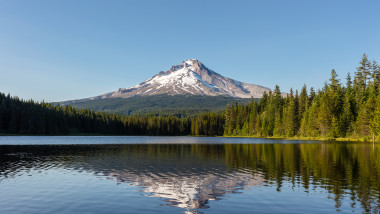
(186, 175)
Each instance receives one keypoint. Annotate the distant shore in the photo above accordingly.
(364, 140)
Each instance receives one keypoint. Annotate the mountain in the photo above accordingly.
(189, 77)
(185, 89)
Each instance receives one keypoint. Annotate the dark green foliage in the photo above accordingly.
(335, 111)
(28, 117)
(207, 124)
(375, 122)
(178, 105)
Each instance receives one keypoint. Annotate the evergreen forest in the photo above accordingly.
(184, 105)
(338, 110)
(350, 110)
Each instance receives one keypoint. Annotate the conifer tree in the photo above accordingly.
(347, 116)
(375, 74)
(366, 115)
(278, 101)
(324, 115)
(303, 102)
(375, 122)
(290, 119)
(309, 126)
(334, 81)
(278, 127)
(312, 95)
(363, 70)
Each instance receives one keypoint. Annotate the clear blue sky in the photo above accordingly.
(61, 50)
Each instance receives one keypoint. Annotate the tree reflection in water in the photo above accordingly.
(190, 175)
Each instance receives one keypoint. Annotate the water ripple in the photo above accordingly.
(191, 177)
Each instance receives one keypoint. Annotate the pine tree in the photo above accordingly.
(324, 115)
(375, 74)
(312, 95)
(335, 128)
(334, 81)
(252, 119)
(366, 115)
(309, 126)
(363, 71)
(290, 118)
(375, 122)
(228, 121)
(278, 127)
(258, 126)
(347, 117)
(348, 81)
(278, 101)
(303, 102)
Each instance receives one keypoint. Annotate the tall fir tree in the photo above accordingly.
(290, 118)
(324, 115)
(365, 116)
(375, 122)
(364, 70)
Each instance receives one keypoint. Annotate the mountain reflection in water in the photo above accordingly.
(190, 175)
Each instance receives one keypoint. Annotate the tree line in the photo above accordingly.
(337, 110)
(32, 118)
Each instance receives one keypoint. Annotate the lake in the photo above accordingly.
(186, 175)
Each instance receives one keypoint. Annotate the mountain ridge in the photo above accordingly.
(189, 77)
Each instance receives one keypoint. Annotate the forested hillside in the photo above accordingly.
(337, 110)
(177, 105)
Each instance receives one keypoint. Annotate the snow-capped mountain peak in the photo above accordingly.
(190, 77)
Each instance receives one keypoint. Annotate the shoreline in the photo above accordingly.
(362, 140)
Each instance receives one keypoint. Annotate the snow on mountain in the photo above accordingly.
(189, 77)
